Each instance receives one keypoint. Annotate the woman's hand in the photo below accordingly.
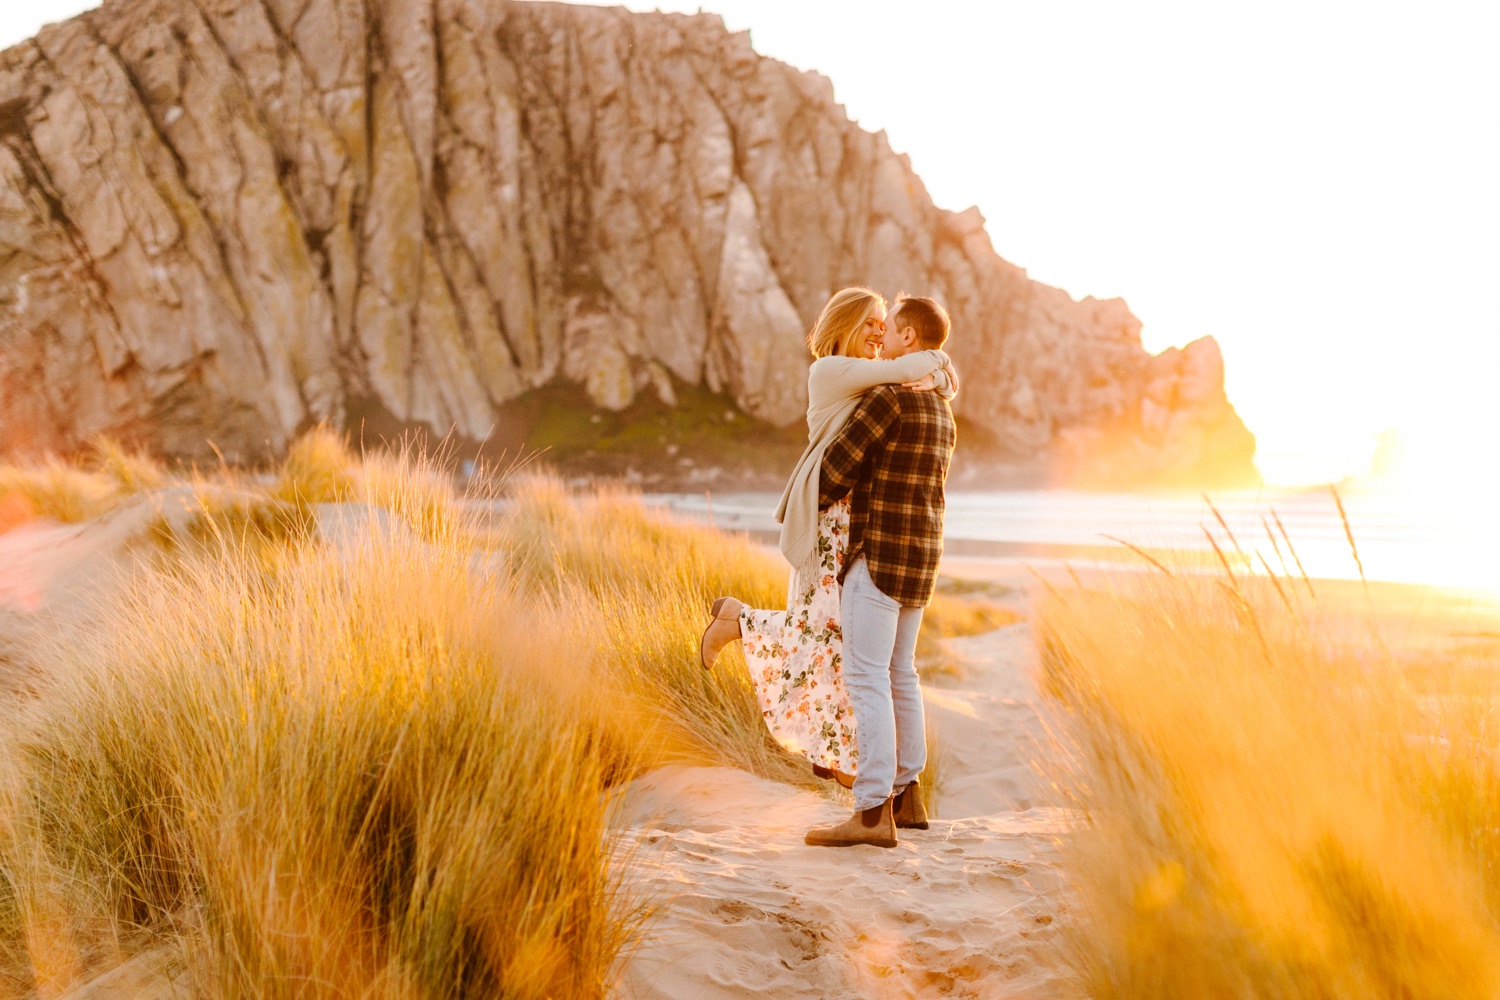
(927, 383)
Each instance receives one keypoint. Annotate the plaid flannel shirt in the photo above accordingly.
(892, 456)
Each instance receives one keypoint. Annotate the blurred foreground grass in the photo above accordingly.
(1275, 807)
(373, 760)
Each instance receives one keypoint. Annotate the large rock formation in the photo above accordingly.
(227, 219)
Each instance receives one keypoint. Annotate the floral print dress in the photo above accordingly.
(796, 656)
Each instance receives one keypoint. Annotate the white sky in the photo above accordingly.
(20, 20)
(1315, 183)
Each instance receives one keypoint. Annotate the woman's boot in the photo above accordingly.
(722, 629)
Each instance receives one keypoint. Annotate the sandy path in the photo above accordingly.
(970, 908)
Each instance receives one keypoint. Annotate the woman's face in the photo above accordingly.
(867, 339)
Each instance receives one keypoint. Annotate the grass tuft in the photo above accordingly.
(1274, 808)
(320, 772)
(418, 493)
(130, 471)
(54, 488)
(639, 585)
(318, 468)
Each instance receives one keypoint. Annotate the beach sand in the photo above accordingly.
(972, 907)
(51, 574)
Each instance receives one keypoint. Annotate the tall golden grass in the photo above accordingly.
(80, 490)
(59, 490)
(317, 773)
(376, 763)
(639, 583)
(132, 471)
(318, 468)
(1277, 805)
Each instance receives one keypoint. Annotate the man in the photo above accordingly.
(892, 456)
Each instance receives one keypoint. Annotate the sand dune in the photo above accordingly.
(49, 575)
(970, 908)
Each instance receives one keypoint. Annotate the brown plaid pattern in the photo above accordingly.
(893, 457)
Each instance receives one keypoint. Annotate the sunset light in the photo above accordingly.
(792, 499)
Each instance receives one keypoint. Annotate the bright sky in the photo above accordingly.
(1315, 183)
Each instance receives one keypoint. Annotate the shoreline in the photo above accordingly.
(1390, 540)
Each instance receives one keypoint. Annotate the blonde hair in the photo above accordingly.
(841, 319)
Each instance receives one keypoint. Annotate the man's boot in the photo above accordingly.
(875, 827)
(908, 810)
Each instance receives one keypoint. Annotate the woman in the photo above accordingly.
(795, 655)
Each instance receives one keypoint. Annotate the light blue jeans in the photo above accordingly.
(880, 673)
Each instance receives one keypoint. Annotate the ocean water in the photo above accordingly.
(1437, 541)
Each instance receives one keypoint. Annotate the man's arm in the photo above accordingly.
(869, 426)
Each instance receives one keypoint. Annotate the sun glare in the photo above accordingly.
(1420, 508)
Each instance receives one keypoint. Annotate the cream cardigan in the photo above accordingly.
(834, 386)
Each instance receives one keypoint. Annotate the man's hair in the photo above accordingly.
(924, 315)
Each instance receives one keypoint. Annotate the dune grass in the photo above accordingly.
(77, 491)
(373, 763)
(318, 468)
(638, 584)
(316, 773)
(1276, 806)
(132, 471)
(59, 490)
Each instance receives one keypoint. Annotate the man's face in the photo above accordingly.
(899, 340)
(867, 341)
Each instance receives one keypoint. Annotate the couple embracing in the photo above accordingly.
(862, 525)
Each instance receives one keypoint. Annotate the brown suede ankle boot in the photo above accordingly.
(723, 629)
(833, 774)
(908, 810)
(875, 827)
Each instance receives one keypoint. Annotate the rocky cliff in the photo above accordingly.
(227, 219)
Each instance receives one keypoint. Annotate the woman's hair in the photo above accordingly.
(841, 319)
